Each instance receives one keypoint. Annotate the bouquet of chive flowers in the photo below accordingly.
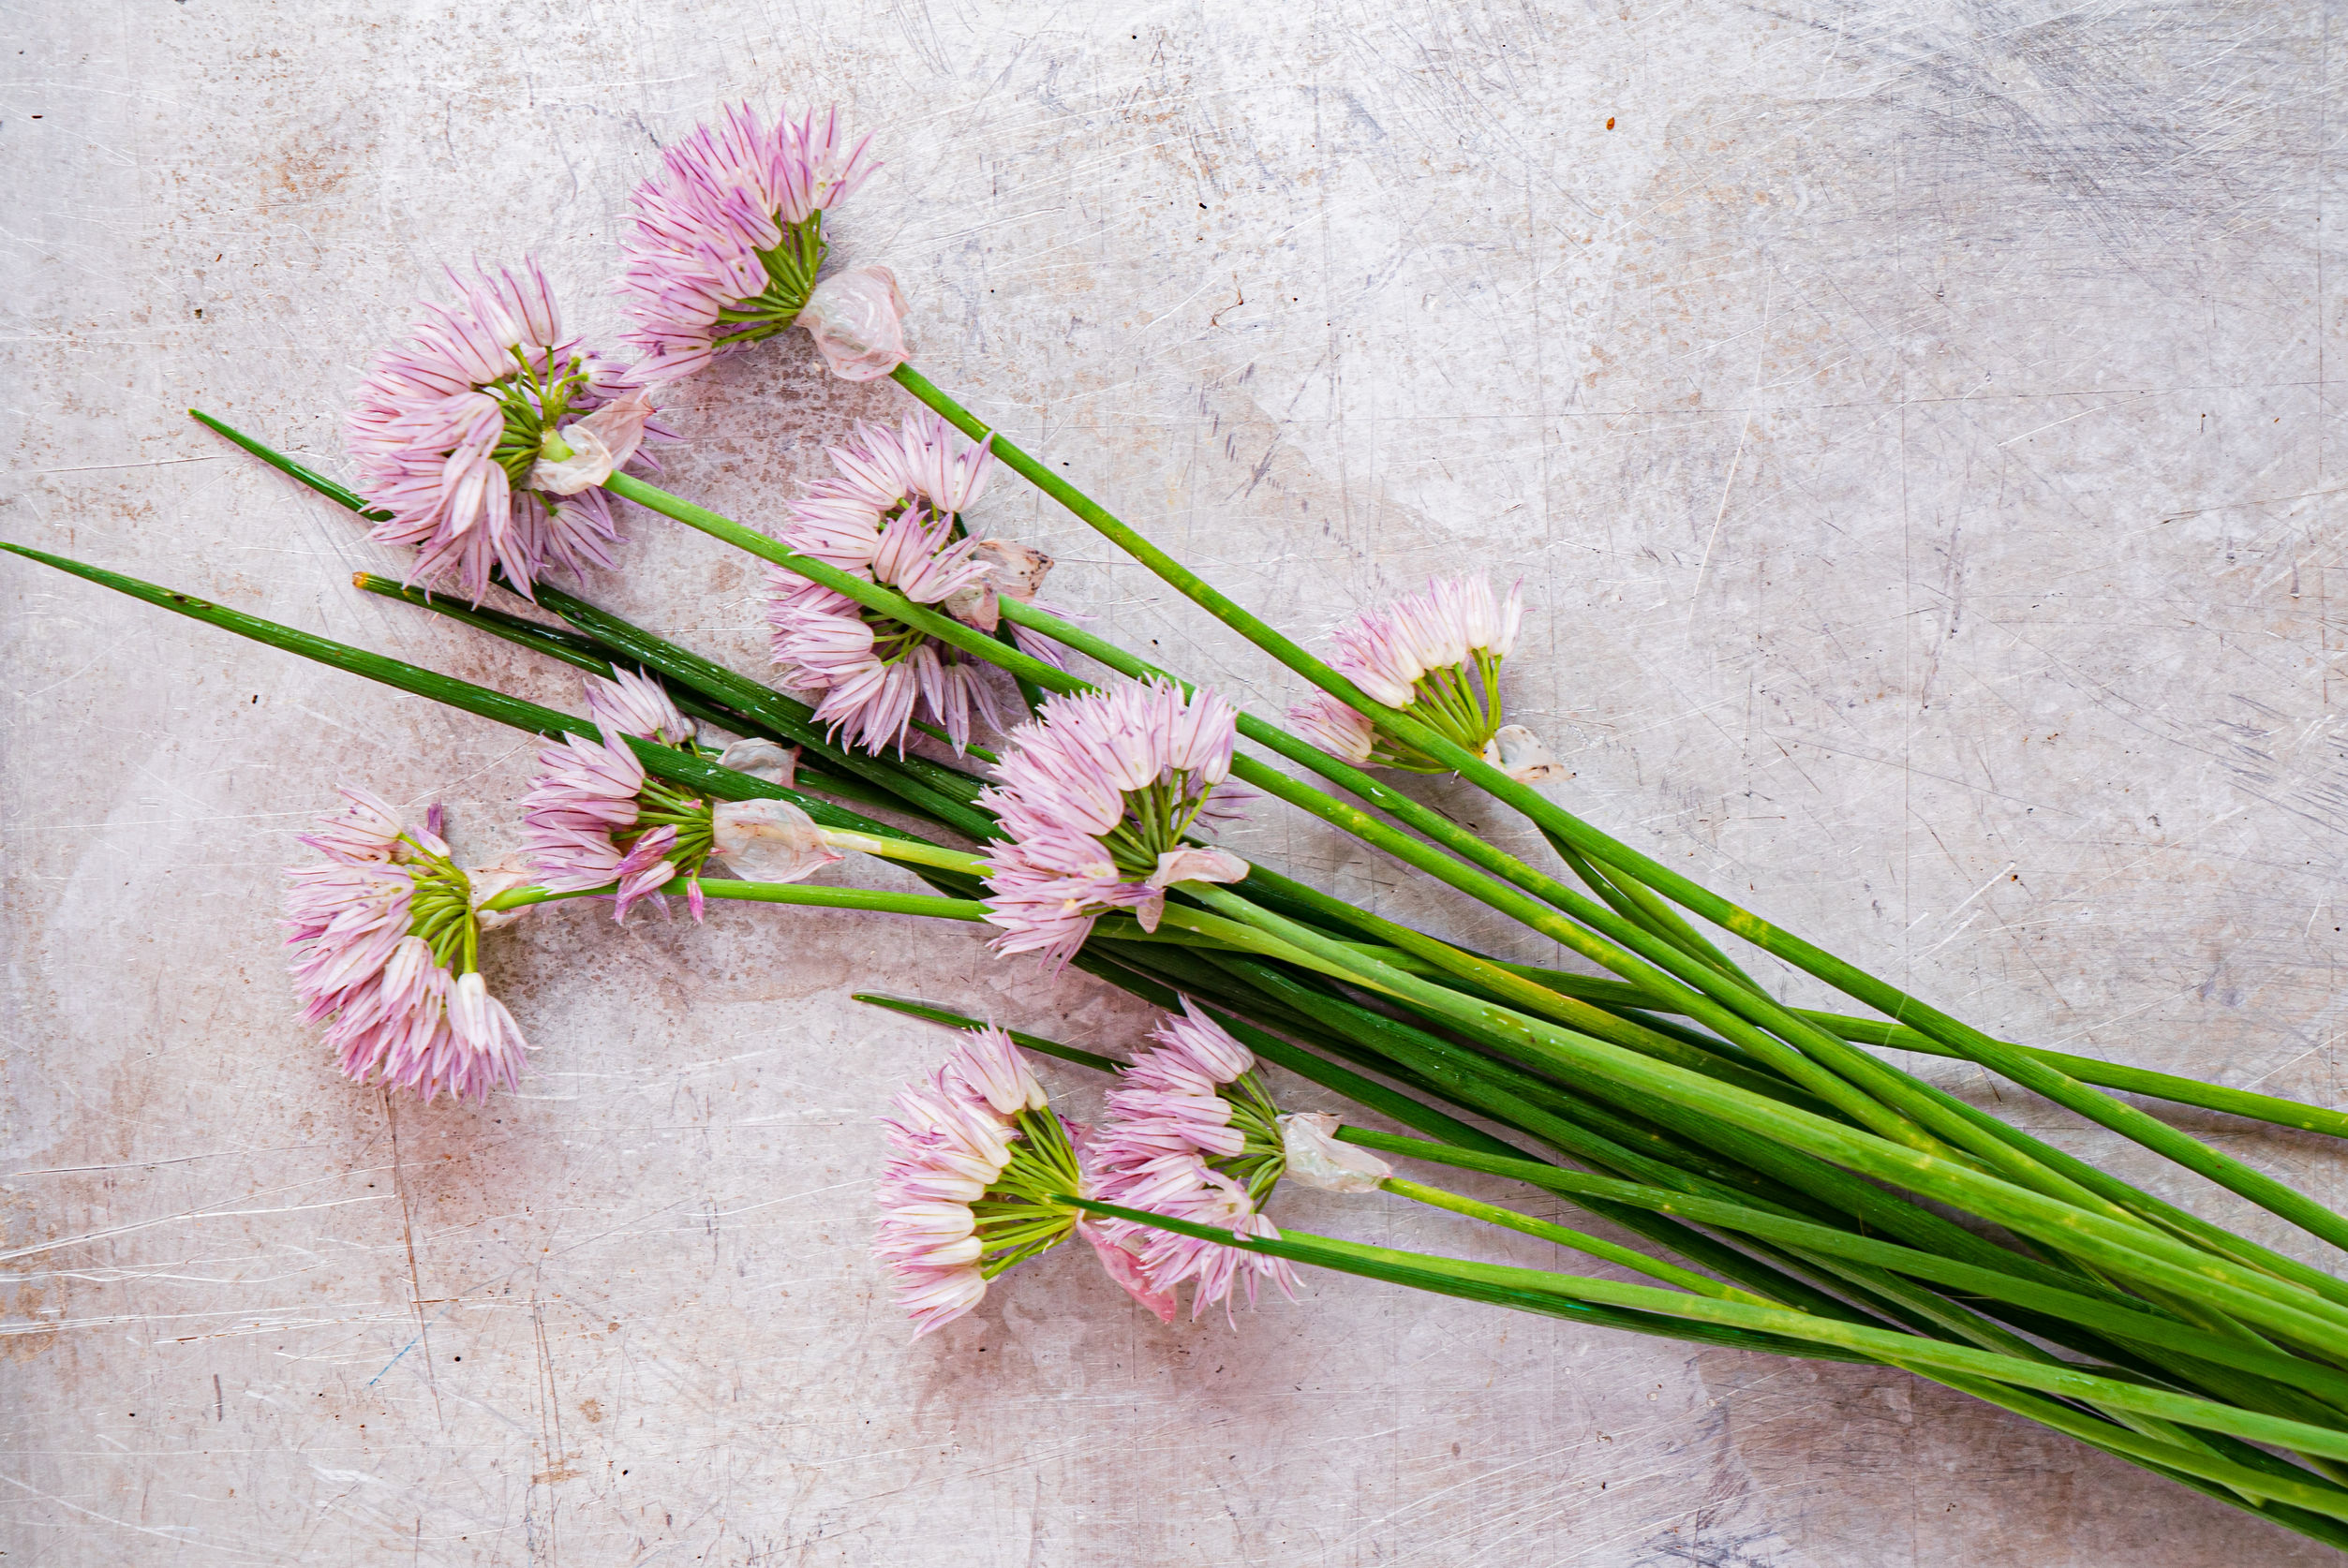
(1792, 1192)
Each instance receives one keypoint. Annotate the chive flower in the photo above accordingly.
(1436, 656)
(486, 433)
(385, 935)
(1098, 796)
(726, 242)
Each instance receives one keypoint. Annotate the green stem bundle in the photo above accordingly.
(1697, 1099)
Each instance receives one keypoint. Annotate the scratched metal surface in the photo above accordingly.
(1911, 425)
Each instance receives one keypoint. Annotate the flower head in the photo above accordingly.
(594, 816)
(1097, 796)
(892, 513)
(727, 240)
(1436, 656)
(385, 934)
(459, 434)
(978, 1172)
(634, 704)
(1193, 1135)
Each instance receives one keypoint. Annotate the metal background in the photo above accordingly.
(1910, 423)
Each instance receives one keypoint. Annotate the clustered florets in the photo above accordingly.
(385, 936)
(726, 242)
(459, 434)
(981, 1170)
(1436, 656)
(1097, 798)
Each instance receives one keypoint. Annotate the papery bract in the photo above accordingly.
(857, 320)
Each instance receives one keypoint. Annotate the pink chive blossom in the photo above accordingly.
(726, 242)
(485, 431)
(978, 1169)
(892, 512)
(1193, 1135)
(634, 704)
(384, 935)
(1095, 797)
(580, 824)
(1436, 656)
(594, 816)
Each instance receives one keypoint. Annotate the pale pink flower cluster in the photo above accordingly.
(588, 799)
(1173, 1146)
(450, 428)
(581, 803)
(1435, 655)
(722, 250)
(585, 797)
(950, 1139)
(634, 704)
(394, 1011)
(1064, 792)
(890, 513)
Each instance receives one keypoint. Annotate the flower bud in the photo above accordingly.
(1520, 754)
(769, 841)
(857, 320)
(1318, 1160)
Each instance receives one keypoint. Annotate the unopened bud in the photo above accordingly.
(1318, 1160)
(763, 759)
(769, 841)
(1520, 754)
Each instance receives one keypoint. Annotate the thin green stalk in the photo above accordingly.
(1565, 1235)
(588, 653)
(1545, 814)
(2056, 1378)
(1632, 900)
(2111, 1315)
(2130, 1246)
(931, 787)
(959, 1021)
(696, 773)
(2225, 1479)
(1504, 984)
(911, 851)
(1619, 996)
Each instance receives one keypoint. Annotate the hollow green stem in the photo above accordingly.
(2060, 1379)
(1565, 1235)
(912, 851)
(1551, 819)
(962, 1021)
(698, 774)
(2111, 1314)
(878, 900)
(2128, 1245)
